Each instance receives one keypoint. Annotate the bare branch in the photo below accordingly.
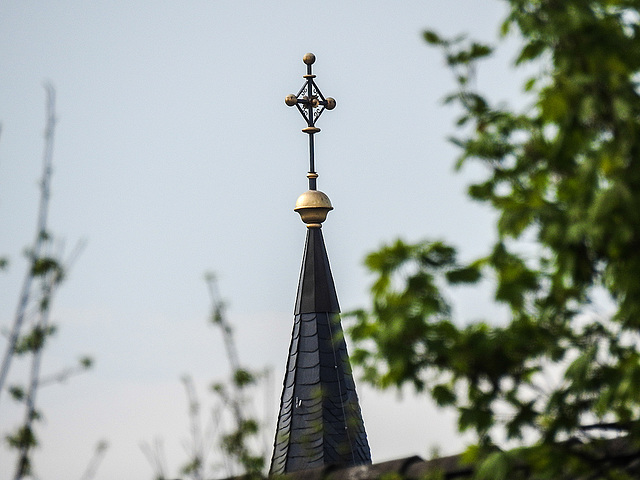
(98, 455)
(156, 458)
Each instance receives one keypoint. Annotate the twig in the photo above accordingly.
(98, 455)
(40, 237)
(156, 457)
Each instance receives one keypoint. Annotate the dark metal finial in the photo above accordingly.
(310, 103)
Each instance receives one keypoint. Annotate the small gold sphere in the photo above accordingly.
(313, 206)
(309, 58)
(331, 103)
(291, 100)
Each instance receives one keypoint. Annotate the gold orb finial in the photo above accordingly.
(313, 206)
(291, 100)
(309, 58)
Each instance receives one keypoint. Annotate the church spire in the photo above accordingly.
(320, 422)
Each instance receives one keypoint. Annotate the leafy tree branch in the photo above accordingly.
(564, 171)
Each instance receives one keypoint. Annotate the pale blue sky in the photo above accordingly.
(175, 154)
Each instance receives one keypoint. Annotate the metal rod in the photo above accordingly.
(310, 121)
(312, 166)
(318, 91)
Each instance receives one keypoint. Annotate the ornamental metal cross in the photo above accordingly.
(310, 103)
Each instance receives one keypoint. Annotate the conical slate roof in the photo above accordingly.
(320, 422)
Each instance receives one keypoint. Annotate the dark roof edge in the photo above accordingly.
(410, 468)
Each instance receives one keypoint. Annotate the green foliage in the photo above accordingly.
(86, 362)
(192, 467)
(237, 443)
(435, 475)
(17, 393)
(43, 277)
(566, 172)
(391, 476)
(494, 467)
(45, 265)
(243, 378)
(34, 340)
(22, 438)
(232, 428)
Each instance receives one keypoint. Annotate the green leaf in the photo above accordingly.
(494, 467)
(530, 84)
(242, 378)
(431, 37)
(443, 395)
(479, 50)
(44, 265)
(579, 369)
(531, 51)
(470, 274)
(86, 362)
(17, 393)
(22, 438)
(34, 340)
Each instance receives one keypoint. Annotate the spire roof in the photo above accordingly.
(320, 422)
(316, 290)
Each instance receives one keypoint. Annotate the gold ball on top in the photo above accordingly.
(331, 103)
(291, 100)
(309, 58)
(313, 206)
